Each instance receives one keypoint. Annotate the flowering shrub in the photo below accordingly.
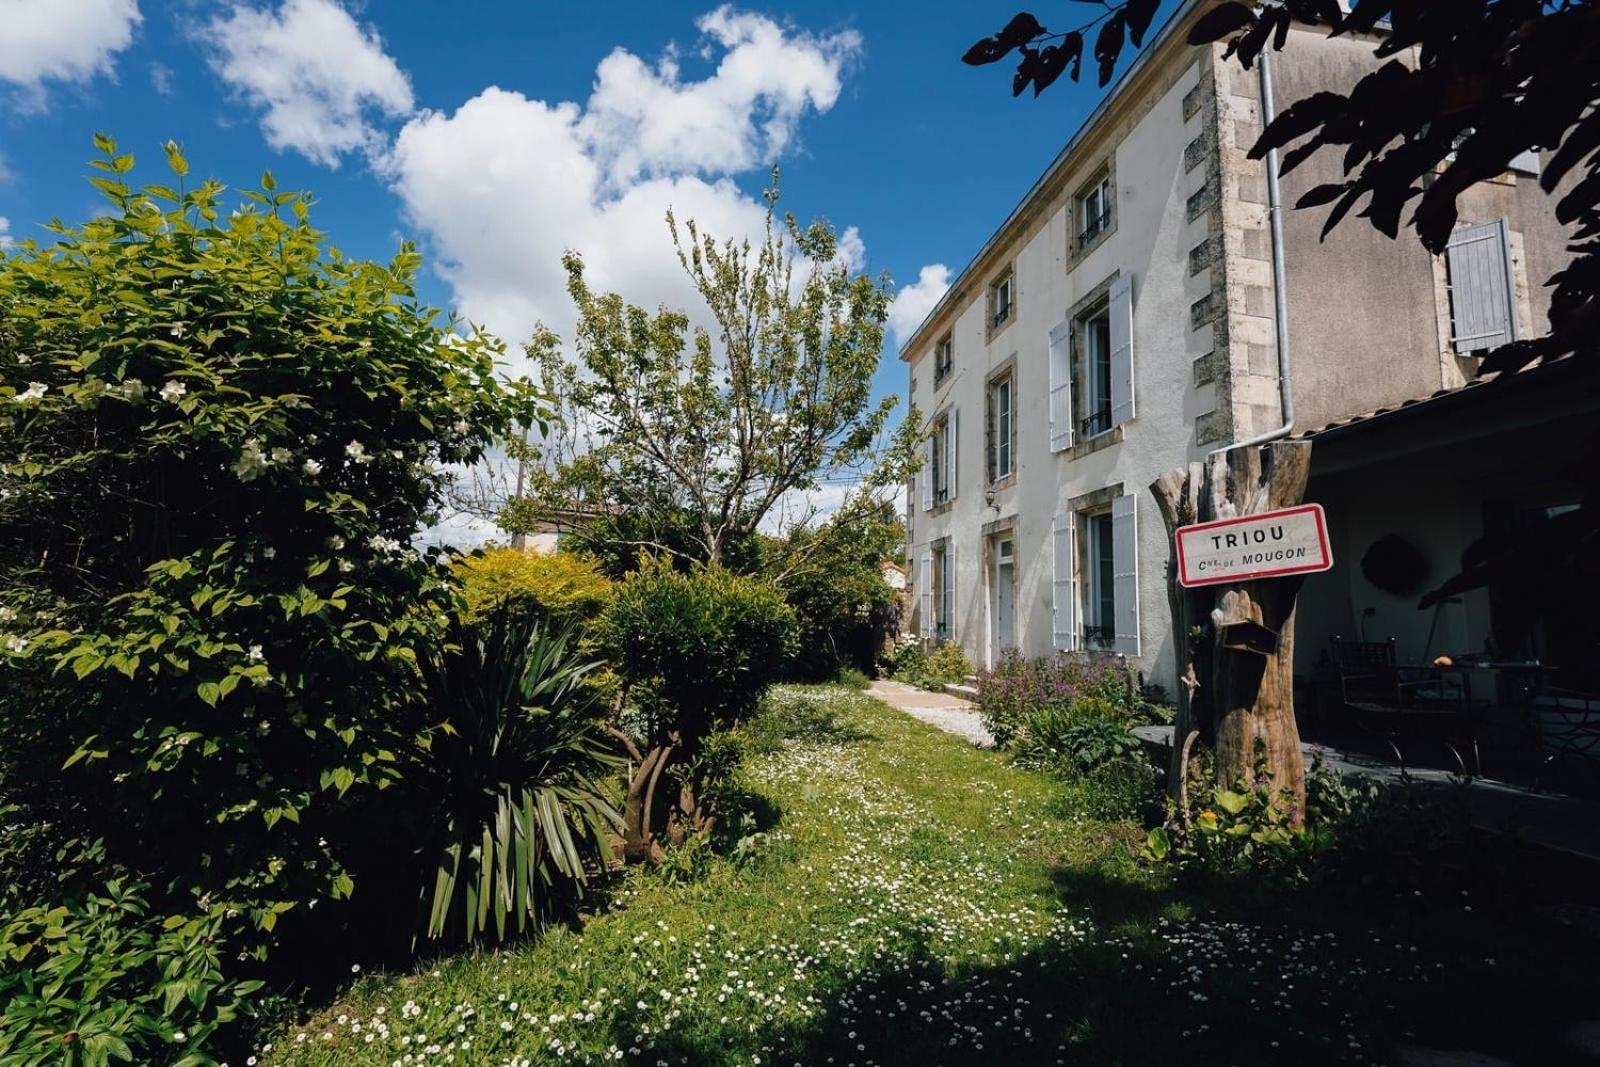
(1019, 686)
(218, 437)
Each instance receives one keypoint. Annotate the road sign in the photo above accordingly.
(1273, 544)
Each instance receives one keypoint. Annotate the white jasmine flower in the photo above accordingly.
(336, 542)
(17, 645)
(281, 455)
(133, 391)
(311, 466)
(356, 451)
(346, 566)
(251, 462)
(255, 655)
(8, 614)
(380, 543)
(173, 392)
(462, 426)
(35, 391)
(269, 553)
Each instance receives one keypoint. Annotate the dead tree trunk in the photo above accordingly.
(1176, 494)
(1251, 683)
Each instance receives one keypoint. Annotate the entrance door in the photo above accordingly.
(1005, 622)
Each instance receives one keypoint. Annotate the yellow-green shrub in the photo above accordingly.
(564, 585)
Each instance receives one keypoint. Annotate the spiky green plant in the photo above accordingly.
(521, 760)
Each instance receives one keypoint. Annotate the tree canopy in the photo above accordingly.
(682, 440)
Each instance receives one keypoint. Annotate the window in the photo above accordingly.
(937, 592)
(1002, 301)
(1478, 268)
(1001, 427)
(1095, 373)
(939, 468)
(1095, 585)
(945, 593)
(1094, 210)
(1100, 593)
(944, 358)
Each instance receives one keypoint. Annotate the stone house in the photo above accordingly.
(1137, 310)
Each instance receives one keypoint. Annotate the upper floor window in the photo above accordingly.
(1095, 372)
(944, 358)
(1094, 209)
(1002, 301)
(1001, 427)
(939, 470)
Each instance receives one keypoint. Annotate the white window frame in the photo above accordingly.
(1096, 420)
(1099, 631)
(1001, 426)
(1094, 206)
(1001, 311)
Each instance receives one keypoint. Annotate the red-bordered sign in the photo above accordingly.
(1273, 544)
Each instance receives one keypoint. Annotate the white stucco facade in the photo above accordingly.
(1146, 249)
(1065, 551)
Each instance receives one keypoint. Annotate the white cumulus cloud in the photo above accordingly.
(502, 185)
(913, 301)
(64, 40)
(318, 77)
(5, 232)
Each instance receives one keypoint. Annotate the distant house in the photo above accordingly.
(1133, 313)
(894, 575)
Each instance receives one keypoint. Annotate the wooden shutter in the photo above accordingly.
(1061, 386)
(1063, 587)
(1479, 261)
(1121, 314)
(1125, 573)
(925, 593)
(927, 473)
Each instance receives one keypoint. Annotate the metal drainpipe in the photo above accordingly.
(1280, 296)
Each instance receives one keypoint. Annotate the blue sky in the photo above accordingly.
(496, 134)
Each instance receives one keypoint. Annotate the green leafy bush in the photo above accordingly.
(517, 769)
(1122, 789)
(218, 438)
(906, 660)
(697, 648)
(695, 651)
(832, 576)
(563, 586)
(1075, 740)
(108, 976)
(853, 679)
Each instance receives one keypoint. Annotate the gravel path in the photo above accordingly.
(950, 714)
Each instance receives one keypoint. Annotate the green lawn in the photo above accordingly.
(921, 902)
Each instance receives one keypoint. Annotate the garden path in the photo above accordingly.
(949, 713)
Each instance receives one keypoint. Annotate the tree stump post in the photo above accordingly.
(1250, 690)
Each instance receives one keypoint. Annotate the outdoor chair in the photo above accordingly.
(1567, 726)
(1399, 704)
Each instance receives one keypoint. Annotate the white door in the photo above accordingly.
(1004, 600)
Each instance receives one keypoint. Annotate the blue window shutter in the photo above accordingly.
(1482, 315)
